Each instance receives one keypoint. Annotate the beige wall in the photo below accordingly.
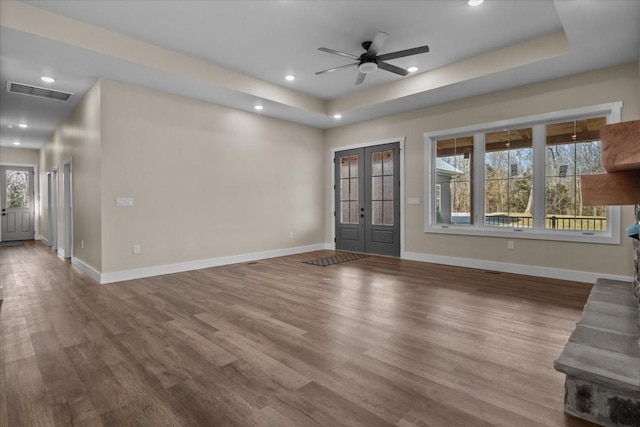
(609, 85)
(207, 181)
(19, 155)
(78, 138)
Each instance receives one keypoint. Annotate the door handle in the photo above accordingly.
(4, 214)
(361, 215)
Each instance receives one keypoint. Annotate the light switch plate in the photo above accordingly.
(124, 201)
(413, 200)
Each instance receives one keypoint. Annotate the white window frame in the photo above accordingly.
(612, 112)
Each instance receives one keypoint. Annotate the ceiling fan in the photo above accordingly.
(370, 61)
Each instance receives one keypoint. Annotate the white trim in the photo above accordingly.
(332, 153)
(52, 199)
(36, 193)
(611, 109)
(67, 210)
(60, 252)
(532, 234)
(86, 268)
(538, 123)
(42, 239)
(138, 273)
(529, 270)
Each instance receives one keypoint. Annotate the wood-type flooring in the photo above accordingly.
(372, 342)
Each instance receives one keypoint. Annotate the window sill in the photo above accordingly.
(607, 238)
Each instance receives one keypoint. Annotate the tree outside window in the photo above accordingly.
(17, 189)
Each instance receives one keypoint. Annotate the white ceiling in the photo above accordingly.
(260, 42)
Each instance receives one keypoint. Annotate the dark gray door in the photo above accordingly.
(16, 201)
(368, 199)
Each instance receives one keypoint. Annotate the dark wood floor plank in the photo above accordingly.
(26, 394)
(376, 341)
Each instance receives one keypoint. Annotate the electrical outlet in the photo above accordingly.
(82, 243)
(291, 234)
(124, 201)
(136, 249)
(510, 244)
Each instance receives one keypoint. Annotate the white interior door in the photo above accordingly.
(17, 203)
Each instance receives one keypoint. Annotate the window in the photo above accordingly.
(572, 150)
(520, 178)
(508, 178)
(454, 178)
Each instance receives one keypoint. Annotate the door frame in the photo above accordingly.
(52, 199)
(400, 141)
(36, 194)
(67, 206)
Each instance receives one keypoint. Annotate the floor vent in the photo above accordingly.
(41, 92)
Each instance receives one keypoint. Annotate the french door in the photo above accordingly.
(367, 195)
(17, 219)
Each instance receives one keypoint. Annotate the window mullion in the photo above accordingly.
(539, 190)
(478, 179)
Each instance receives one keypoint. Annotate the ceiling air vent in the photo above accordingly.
(41, 92)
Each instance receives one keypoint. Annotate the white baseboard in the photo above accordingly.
(86, 268)
(530, 270)
(61, 253)
(138, 273)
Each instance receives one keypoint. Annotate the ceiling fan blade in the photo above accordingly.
(392, 68)
(403, 53)
(377, 43)
(336, 68)
(337, 52)
(360, 78)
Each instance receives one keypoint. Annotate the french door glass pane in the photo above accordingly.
(354, 166)
(344, 212)
(349, 197)
(376, 188)
(344, 189)
(376, 163)
(17, 191)
(376, 209)
(387, 188)
(388, 163)
(354, 215)
(387, 213)
(382, 187)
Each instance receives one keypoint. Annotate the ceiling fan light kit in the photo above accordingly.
(370, 61)
(367, 67)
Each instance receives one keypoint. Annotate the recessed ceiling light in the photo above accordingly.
(474, 2)
(47, 79)
(290, 78)
(412, 69)
(258, 107)
(16, 142)
(10, 126)
(337, 116)
(23, 125)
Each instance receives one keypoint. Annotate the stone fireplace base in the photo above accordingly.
(602, 358)
(599, 404)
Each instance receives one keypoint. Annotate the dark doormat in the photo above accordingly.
(11, 244)
(336, 259)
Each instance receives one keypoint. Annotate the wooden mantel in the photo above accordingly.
(620, 145)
